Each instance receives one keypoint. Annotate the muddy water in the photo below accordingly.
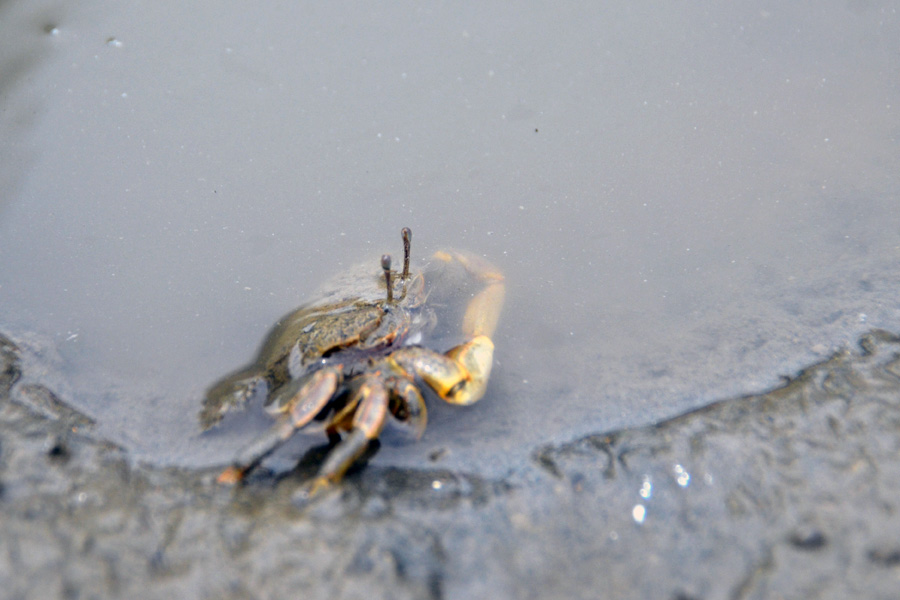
(688, 202)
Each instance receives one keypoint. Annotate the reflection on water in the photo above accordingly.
(687, 203)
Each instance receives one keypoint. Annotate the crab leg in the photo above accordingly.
(306, 399)
(408, 406)
(368, 421)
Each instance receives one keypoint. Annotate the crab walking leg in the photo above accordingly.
(306, 401)
(302, 398)
(408, 406)
(368, 422)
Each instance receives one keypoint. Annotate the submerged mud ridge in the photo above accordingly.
(792, 493)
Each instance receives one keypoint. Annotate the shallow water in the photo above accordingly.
(688, 203)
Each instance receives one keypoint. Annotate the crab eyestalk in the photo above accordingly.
(386, 267)
(406, 233)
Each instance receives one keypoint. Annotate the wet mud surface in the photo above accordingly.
(792, 493)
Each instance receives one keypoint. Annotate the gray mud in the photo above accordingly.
(792, 493)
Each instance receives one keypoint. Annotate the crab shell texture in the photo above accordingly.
(352, 360)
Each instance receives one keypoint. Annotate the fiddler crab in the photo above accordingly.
(353, 360)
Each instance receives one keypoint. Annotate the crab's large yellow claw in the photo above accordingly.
(477, 357)
(460, 376)
(483, 311)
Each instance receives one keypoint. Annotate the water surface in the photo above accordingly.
(688, 202)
